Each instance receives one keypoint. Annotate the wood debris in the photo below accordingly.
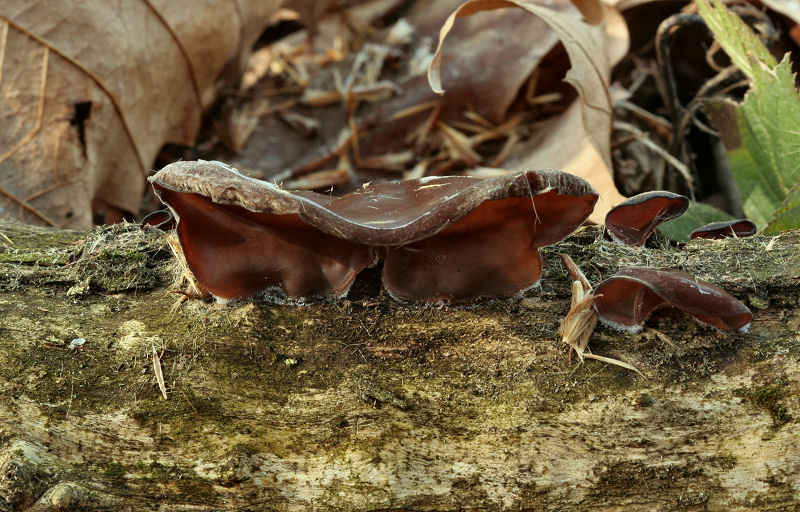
(578, 325)
(158, 373)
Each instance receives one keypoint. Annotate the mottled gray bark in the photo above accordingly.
(365, 404)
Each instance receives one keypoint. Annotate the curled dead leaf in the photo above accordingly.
(595, 39)
(582, 39)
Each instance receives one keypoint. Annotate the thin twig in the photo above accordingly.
(721, 81)
(642, 137)
(46, 191)
(662, 126)
(663, 56)
(574, 272)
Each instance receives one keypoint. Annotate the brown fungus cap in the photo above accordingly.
(626, 299)
(632, 221)
(451, 238)
(727, 229)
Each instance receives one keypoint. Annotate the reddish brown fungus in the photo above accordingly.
(451, 238)
(632, 221)
(727, 229)
(633, 293)
(235, 252)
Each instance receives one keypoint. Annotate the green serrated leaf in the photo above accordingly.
(736, 38)
(788, 215)
(766, 162)
(698, 214)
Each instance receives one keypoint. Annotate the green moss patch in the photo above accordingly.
(769, 397)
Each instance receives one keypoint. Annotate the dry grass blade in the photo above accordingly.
(499, 132)
(474, 116)
(469, 127)
(389, 162)
(420, 136)
(459, 145)
(578, 325)
(306, 126)
(352, 105)
(544, 99)
(615, 362)
(414, 109)
(5, 237)
(323, 179)
(319, 98)
(506, 151)
(418, 171)
(371, 93)
(343, 142)
(159, 374)
(177, 304)
(184, 274)
(270, 108)
(662, 127)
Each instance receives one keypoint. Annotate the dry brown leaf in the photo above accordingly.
(90, 92)
(624, 5)
(790, 9)
(476, 80)
(578, 142)
(585, 43)
(577, 156)
(287, 149)
(471, 73)
(487, 59)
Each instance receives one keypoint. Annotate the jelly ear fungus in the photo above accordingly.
(491, 248)
(626, 299)
(726, 229)
(243, 237)
(632, 221)
(452, 238)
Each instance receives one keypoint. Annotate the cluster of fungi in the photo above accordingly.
(450, 239)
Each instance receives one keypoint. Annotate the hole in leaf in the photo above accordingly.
(83, 109)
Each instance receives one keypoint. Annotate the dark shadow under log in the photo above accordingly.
(365, 404)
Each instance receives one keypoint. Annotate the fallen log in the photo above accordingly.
(368, 404)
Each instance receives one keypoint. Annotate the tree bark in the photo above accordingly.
(367, 404)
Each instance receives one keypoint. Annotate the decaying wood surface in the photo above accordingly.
(365, 404)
